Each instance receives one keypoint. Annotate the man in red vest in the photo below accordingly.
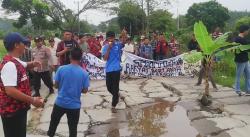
(15, 92)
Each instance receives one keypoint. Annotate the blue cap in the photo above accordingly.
(13, 38)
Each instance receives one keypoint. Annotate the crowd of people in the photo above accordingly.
(64, 56)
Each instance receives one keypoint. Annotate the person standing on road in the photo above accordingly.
(146, 49)
(112, 54)
(83, 44)
(64, 48)
(161, 48)
(42, 54)
(69, 93)
(242, 61)
(15, 92)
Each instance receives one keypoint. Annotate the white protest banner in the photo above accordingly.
(94, 66)
(136, 66)
(141, 67)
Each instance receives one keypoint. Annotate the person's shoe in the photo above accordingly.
(197, 84)
(113, 110)
(239, 93)
(247, 94)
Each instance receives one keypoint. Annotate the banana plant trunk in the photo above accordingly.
(206, 99)
(207, 68)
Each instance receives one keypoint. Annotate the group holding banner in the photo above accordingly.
(136, 66)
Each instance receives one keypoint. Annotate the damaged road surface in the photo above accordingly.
(157, 107)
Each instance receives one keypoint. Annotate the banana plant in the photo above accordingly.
(209, 49)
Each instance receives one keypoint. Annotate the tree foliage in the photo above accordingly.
(131, 15)
(161, 20)
(62, 15)
(243, 21)
(35, 10)
(45, 14)
(211, 13)
(234, 17)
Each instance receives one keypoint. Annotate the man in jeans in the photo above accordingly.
(241, 60)
(69, 93)
(112, 54)
(42, 54)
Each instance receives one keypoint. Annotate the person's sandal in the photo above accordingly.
(113, 110)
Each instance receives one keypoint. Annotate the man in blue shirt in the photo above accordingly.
(146, 50)
(71, 81)
(111, 53)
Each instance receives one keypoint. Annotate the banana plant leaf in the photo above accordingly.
(193, 57)
(203, 38)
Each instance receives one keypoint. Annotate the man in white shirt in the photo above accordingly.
(57, 40)
(15, 92)
(129, 47)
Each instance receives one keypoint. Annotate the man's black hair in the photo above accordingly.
(110, 34)
(243, 28)
(67, 31)
(76, 34)
(81, 36)
(76, 54)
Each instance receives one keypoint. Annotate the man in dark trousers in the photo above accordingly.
(112, 52)
(72, 80)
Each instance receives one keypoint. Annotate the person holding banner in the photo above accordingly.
(161, 48)
(111, 53)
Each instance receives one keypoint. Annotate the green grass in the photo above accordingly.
(224, 71)
(2, 50)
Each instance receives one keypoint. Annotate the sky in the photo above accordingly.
(96, 17)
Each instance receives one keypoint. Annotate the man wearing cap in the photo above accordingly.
(42, 54)
(64, 47)
(112, 54)
(15, 93)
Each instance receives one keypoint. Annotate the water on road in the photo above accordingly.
(161, 119)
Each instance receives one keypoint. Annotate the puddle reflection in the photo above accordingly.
(149, 121)
(158, 120)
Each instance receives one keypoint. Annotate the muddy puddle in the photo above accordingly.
(160, 119)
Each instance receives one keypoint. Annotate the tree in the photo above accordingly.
(59, 15)
(132, 17)
(150, 5)
(234, 17)
(243, 21)
(110, 25)
(211, 13)
(161, 20)
(35, 10)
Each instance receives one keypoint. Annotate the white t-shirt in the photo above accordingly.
(129, 48)
(57, 41)
(54, 57)
(9, 73)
